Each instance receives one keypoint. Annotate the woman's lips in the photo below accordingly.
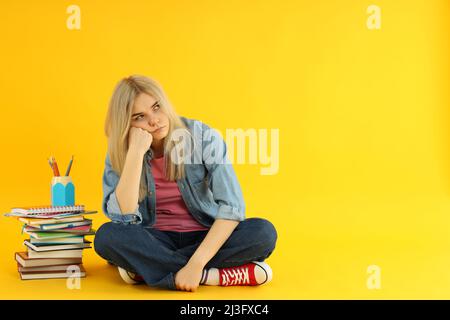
(158, 130)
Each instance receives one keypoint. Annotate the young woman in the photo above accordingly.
(177, 211)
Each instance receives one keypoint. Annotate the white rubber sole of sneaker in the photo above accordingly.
(125, 275)
(265, 275)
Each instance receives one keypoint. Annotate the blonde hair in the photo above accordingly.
(117, 125)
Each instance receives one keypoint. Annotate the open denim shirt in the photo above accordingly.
(210, 189)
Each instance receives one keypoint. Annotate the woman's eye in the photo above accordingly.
(138, 117)
(156, 107)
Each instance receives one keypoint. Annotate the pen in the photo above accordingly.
(50, 163)
(70, 165)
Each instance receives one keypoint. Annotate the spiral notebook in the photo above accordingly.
(47, 211)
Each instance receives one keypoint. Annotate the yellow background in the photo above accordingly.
(362, 114)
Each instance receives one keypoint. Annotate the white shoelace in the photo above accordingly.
(235, 277)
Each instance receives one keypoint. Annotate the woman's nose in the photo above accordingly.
(153, 122)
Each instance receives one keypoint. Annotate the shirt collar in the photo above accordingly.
(149, 154)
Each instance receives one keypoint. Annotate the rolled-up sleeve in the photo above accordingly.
(110, 204)
(223, 181)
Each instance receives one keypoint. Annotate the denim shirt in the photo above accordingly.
(210, 188)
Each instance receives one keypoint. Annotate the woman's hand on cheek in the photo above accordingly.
(139, 139)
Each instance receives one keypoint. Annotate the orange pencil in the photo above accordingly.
(55, 167)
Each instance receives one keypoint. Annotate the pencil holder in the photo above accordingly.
(63, 191)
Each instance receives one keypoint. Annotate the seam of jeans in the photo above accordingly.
(265, 256)
(240, 262)
(172, 284)
(163, 247)
(248, 258)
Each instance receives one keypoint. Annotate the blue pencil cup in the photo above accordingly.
(62, 191)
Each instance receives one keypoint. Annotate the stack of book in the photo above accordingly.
(56, 241)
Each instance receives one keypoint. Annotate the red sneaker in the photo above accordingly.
(254, 273)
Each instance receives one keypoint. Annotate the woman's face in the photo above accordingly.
(147, 115)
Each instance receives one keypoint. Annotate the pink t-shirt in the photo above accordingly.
(171, 211)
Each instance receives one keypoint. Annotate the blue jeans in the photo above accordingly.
(158, 255)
